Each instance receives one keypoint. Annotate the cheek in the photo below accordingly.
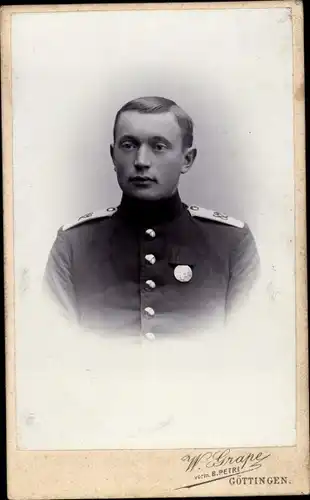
(170, 171)
(122, 163)
(121, 173)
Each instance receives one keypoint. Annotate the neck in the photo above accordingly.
(146, 212)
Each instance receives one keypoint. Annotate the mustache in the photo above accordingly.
(141, 178)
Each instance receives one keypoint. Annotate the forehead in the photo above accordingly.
(146, 125)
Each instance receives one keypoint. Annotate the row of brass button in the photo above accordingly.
(151, 259)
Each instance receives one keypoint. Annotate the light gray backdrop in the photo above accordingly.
(231, 70)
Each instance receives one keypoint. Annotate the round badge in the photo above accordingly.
(183, 273)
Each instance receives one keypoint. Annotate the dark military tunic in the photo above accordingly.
(152, 268)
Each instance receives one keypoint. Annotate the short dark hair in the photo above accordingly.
(154, 104)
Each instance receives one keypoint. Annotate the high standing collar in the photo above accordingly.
(145, 212)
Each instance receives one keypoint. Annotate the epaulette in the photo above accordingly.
(203, 213)
(106, 212)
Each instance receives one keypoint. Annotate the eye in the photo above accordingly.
(128, 145)
(159, 146)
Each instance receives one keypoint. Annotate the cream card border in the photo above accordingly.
(126, 473)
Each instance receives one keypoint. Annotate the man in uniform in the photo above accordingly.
(152, 266)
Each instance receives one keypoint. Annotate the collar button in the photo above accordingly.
(151, 233)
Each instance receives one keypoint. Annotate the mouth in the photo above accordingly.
(140, 180)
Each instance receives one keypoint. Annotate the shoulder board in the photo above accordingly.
(106, 212)
(204, 213)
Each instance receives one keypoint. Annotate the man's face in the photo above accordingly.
(148, 154)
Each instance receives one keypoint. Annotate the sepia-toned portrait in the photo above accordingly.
(155, 280)
(108, 268)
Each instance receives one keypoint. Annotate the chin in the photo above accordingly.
(145, 194)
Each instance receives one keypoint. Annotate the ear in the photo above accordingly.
(112, 155)
(112, 151)
(189, 158)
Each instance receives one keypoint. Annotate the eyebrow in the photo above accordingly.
(127, 137)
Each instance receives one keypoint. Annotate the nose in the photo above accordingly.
(143, 158)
